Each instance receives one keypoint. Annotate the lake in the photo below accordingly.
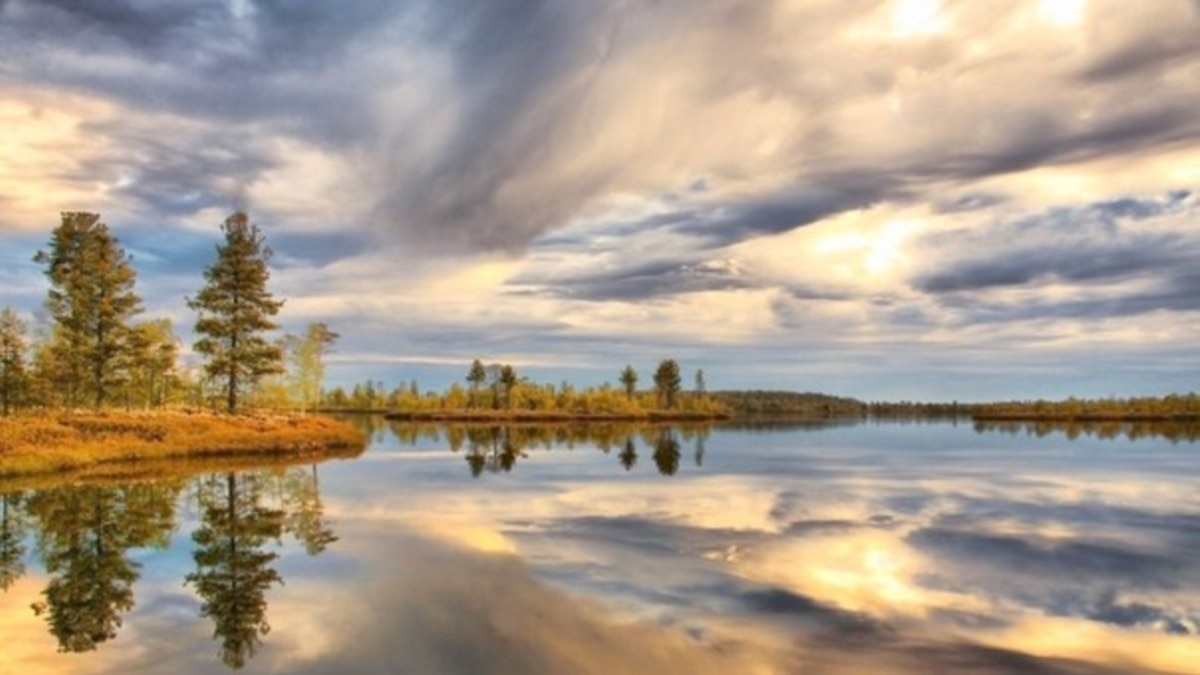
(850, 548)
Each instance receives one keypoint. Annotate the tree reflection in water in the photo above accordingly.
(629, 454)
(233, 567)
(495, 448)
(84, 534)
(666, 452)
(233, 570)
(305, 513)
(12, 539)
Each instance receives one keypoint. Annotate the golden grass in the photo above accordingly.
(69, 442)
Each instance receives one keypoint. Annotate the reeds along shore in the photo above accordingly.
(69, 441)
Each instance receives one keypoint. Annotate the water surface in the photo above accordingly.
(883, 548)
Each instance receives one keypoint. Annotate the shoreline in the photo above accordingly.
(70, 442)
(518, 416)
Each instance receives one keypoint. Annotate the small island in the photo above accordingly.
(496, 394)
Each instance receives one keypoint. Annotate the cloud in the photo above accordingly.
(1121, 57)
(841, 177)
(1121, 257)
(548, 110)
(640, 281)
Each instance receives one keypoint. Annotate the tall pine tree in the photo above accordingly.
(235, 310)
(91, 301)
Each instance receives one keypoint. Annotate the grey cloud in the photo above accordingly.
(1097, 243)
(1174, 291)
(134, 25)
(638, 282)
(285, 64)
(1138, 615)
(820, 293)
(271, 35)
(524, 70)
(735, 222)
(1022, 267)
(1171, 46)
(691, 271)
(1177, 292)
(179, 176)
(520, 97)
(522, 112)
(315, 250)
(974, 201)
(302, 35)
(1036, 138)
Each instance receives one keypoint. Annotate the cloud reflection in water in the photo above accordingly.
(936, 540)
(891, 549)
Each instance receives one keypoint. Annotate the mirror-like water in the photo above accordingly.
(881, 548)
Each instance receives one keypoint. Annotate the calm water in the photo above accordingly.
(845, 549)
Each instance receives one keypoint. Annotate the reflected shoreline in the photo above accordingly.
(148, 470)
(1131, 430)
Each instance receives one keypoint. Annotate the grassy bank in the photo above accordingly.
(67, 442)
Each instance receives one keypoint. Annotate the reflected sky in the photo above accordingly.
(844, 549)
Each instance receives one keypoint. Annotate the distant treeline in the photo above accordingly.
(916, 410)
(497, 391)
(815, 406)
(1147, 408)
(805, 405)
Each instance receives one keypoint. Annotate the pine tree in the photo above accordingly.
(667, 381)
(629, 380)
(91, 302)
(476, 377)
(235, 309)
(12, 359)
(507, 380)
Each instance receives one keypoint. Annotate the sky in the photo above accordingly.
(885, 199)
